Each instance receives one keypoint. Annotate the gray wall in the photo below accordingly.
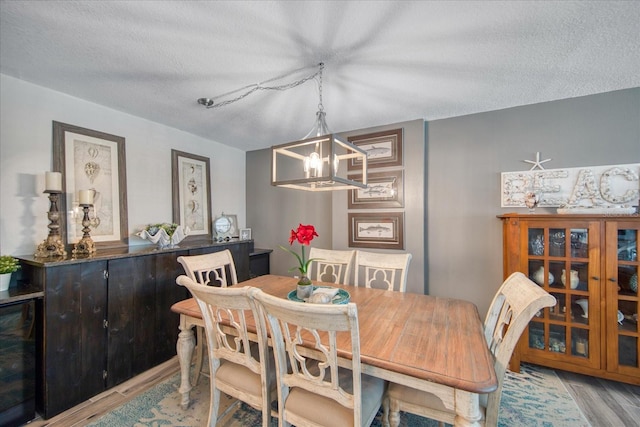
(414, 197)
(464, 158)
(467, 154)
(272, 212)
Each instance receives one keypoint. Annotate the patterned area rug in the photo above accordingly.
(534, 398)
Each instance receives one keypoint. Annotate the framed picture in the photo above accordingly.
(384, 190)
(191, 201)
(92, 160)
(234, 231)
(245, 234)
(383, 149)
(384, 230)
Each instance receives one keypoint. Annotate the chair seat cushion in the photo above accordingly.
(324, 411)
(240, 377)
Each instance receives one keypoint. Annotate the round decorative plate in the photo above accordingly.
(342, 297)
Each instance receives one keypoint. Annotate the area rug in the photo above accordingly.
(535, 397)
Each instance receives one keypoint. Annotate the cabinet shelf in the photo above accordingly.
(589, 264)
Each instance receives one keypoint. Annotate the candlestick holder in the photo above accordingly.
(85, 246)
(52, 245)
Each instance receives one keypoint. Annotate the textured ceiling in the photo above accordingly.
(385, 61)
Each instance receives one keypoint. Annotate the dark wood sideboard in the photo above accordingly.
(260, 262)
(107, 318)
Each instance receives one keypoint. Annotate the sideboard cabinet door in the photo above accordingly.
(74, 335)
(142, 328)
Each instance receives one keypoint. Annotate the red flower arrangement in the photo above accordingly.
(304, 235)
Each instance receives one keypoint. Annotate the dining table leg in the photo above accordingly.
(468, 413)
(184, 347)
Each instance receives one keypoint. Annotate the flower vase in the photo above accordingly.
(5, 279)
(304, 289)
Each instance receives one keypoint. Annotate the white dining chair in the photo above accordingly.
(513, 306)
(237, 366)
(382, 270)
(212, 269)
(312, 389)
(332, 266)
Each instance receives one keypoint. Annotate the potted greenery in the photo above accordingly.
(8, 265)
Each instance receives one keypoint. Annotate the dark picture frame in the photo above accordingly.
(191, 181)
(92, 160)
(383, 230)
(384, 149)
(384, 190)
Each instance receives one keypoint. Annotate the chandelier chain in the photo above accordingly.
(320, 106)
(261, 86)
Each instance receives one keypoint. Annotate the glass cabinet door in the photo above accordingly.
(623, 269)
(559, 261)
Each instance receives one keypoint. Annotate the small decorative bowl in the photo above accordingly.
(162, 238)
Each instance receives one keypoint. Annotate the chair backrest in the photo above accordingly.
(331, 266)
(228, 307)
(316, 372)
(513, 306)
(214, 269)
(382, 270)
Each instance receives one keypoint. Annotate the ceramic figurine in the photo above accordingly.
(575, 280)
(538, 276)
(584, 304)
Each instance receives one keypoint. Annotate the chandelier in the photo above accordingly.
(320, 160)
(317, 162)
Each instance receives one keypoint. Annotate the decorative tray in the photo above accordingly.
(342, 297)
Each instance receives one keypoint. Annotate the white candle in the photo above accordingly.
(53, 181)
(85, 197)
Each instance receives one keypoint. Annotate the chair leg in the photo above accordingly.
(214, 406)
(199, 354)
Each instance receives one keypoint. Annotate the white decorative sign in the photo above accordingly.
(588, 189)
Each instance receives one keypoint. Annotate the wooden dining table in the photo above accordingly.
(425, 342)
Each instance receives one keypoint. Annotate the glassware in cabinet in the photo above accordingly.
(623, 286)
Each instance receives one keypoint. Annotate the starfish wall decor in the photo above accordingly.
(537, 163)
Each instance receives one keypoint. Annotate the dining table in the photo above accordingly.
(426, 342)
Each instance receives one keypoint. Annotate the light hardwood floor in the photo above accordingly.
(103, 403)
(604, 403)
